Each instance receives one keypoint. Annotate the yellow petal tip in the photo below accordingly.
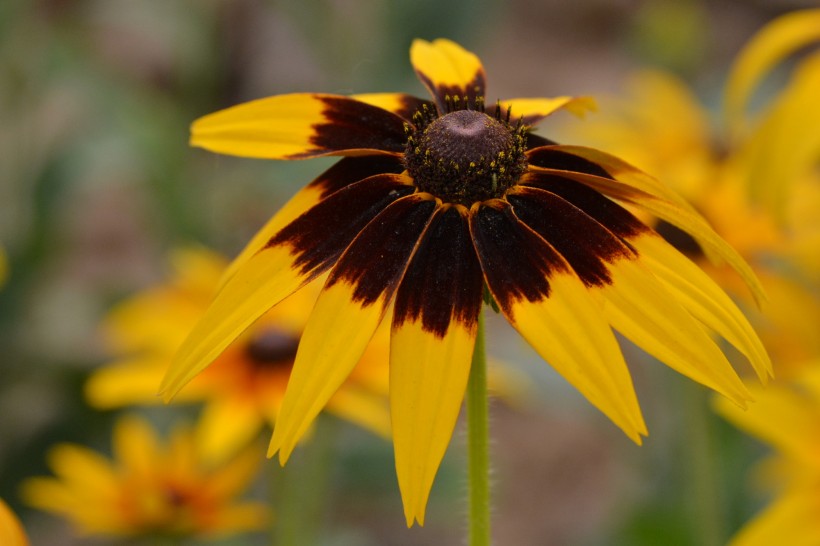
(411, 519)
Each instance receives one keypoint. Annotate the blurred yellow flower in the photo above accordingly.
(787, 417)
(778, 146)
(243, 390)
(660, 127)
(739, 184)
(765, 170)
(11, 531)
(148, 488)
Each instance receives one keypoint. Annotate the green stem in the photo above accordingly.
(300, 489)
(706, 503)
(478, 443)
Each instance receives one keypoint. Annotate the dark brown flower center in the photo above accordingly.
(464, 156)
(272, 348)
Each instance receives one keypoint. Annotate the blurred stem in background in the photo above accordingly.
(705, 497)
(300, 490)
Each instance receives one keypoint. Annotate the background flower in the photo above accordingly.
(150, 488)
(787, 418)
(11, 531)
(242, 393)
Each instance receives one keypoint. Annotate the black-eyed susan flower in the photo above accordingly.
(149, 488)
(242, 391)
(11, 531)
(780, 141)
(786, 416)
(434, 202)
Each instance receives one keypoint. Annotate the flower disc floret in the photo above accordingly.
(465, 156)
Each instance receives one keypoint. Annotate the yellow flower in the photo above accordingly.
(787, 417)
(435, 202)
(148, 488)
(243, 389)
(661, 127)
(11, 531)
(769, 159)
(778, 149)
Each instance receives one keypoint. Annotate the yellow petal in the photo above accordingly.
(777, 40)
(435, 320)
(135, 446)
(704, 299)
(541, 296)
(11, 531)
(428, 377)
(569, 332)
(640, 308)
(785, 146)
(180, 455)
(265, 280)
(791, 519)
(300, 125)
(783, 417)
(83, 468)
(534, 110)
(130, 382)
(232, 477)
(50, 495)
(447, 70)
(226, 426)
(367, 409)
(333, 341)
(347, 313)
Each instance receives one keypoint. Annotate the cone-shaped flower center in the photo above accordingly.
(465, 156)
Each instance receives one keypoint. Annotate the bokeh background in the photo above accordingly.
(98, 184)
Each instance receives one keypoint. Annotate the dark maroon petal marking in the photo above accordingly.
(517, 263)
(610, 214)
(443, 281)
(584, 243)
(353, 169)
(474, 89)
(355, 125)
(319, 236)
(536, 141)
(376, 259)
(549, 158)
(679, 239)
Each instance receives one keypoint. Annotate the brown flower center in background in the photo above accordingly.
(271, 348)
